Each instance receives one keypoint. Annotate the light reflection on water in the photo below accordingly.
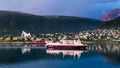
(105, 54)
(109, 52)
(74, 53)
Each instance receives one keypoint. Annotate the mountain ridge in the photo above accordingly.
(111, 24)
(14, 22)
(111, 15)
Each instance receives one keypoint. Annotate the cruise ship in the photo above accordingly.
(67, 45)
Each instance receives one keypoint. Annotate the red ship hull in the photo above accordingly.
(68, 47)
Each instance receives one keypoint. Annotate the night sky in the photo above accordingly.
(81, 8)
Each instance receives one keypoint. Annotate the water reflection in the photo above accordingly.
(25, 49)
(105, 48)
(73, 53)
(96, 54)
(109, 52)
(26, 53)
(10, 55)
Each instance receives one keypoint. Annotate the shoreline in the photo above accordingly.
(86, 42)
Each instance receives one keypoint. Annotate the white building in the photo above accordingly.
(25, 35)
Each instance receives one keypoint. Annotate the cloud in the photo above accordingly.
(104, 1)
(82, 8)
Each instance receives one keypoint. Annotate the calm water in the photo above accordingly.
(97, 56)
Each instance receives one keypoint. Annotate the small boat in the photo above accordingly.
(38, 42)
(67, 45)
